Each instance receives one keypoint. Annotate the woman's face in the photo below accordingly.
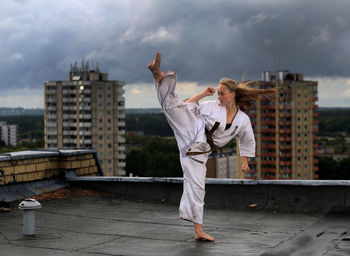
(225, 96)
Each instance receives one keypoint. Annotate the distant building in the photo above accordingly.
(87, 111)
(9, 133)
(222, 165)
(286, 128)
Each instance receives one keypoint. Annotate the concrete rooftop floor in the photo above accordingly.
(107, 225)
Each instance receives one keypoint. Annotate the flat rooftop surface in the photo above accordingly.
(79, 222)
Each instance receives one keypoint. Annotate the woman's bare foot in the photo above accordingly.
(204, 236)
(200, 234)
(154, 67)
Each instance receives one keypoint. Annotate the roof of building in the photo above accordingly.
(79, 221)
(86, 224)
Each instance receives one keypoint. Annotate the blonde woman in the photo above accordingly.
(200, 127)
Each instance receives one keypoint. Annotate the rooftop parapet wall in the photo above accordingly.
(241, 194)
(26, 166)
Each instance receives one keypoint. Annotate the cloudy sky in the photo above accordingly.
(203, 40)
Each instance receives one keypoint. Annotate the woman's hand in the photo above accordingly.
(208, 92)
(245, 166)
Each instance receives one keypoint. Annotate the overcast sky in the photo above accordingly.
(203, 40)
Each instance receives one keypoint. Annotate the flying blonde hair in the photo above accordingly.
(246, 95)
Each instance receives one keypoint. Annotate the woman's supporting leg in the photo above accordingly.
(192, 200)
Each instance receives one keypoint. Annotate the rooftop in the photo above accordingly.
(76, 221)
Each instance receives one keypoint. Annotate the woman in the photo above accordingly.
(199, 128)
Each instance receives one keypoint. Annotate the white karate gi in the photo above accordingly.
(188, 122)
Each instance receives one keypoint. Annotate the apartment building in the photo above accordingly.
(87, 111)
(286, 128)
(9, 133)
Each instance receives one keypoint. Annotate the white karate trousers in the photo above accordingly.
(188, 128)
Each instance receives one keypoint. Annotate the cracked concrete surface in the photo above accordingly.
(84, 225)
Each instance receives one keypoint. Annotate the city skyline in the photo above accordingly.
(202, 40)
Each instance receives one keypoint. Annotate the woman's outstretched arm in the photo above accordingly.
(209, 91)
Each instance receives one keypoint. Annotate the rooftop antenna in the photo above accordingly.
(245, 72)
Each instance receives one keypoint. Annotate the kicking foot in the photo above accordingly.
(154, 67)
(202, 236)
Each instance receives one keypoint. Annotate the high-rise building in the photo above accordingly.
(87, 111)
(9, 133)
(285, 128)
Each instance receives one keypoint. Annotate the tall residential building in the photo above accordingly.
(87, 111)
(285, 128)
(9, 133)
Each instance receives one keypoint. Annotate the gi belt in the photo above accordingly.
(210, 141)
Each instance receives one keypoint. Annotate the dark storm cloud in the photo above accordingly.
(201, 40)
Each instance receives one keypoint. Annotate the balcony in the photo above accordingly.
(69, 108)
(271, 146)
(268, 106)
(285, 107)
(121, 164)
(85, 116)
(285, 163)
(87, 141)
(69, 117)
(69, 132)
(270, 122)
(284, 147)
(285, 114)
(66, 91)
(282, 139)
(121, 132)
(51, 116)
(286, 131)
(121, 155)
(286, 123)
(273, 115)
(268, 130)
(69, 141)
(268, 162)
(51, 100)
(121, 139)
(49, 124)
(288, 171)
(121, 148)
(86, 133)
(64, 100)
(84, 124)
(264, 154)
(264, 138)
(69, 124)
